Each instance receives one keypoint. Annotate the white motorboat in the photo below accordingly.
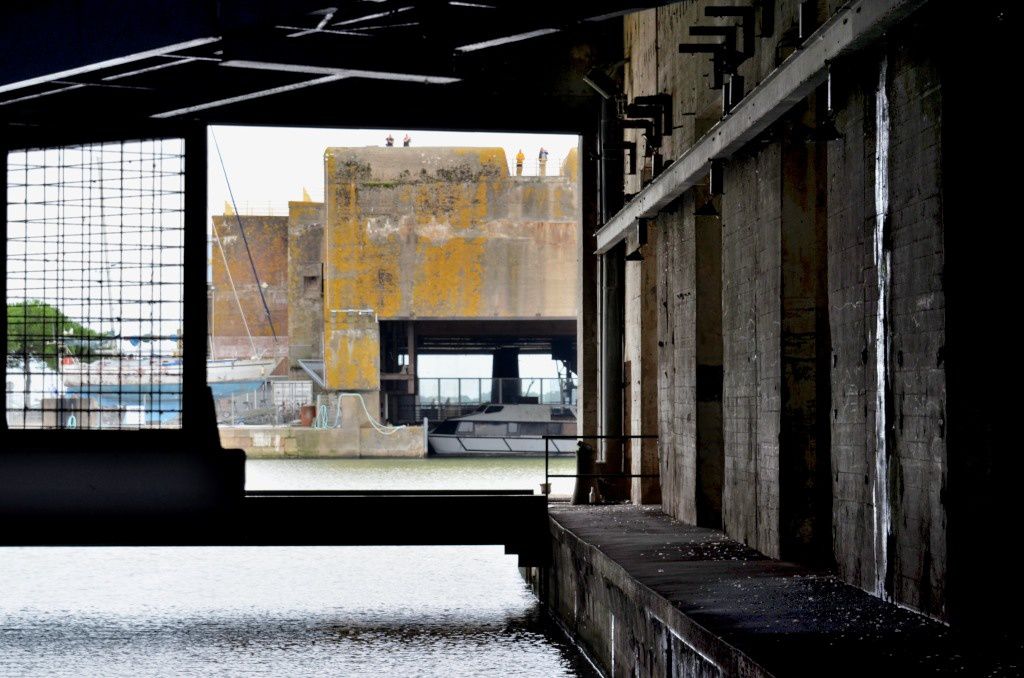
(496, 430)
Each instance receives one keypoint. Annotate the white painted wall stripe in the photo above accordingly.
(882, 510)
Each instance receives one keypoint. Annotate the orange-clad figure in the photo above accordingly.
(519, 162)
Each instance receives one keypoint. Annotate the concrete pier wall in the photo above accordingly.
(298, 442)
(623, 627)
(642, 594)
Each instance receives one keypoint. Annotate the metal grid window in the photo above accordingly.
(95, 282)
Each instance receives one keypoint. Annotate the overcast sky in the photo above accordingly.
(268, 166)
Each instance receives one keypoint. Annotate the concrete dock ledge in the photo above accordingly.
(645, 595)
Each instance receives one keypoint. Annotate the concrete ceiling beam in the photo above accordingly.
(847, 31)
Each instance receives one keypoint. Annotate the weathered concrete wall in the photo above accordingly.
(918, 326)
(624, 628)
(981, 492)
(691, 455)
(800, 285)
(890, 475)
(294, 442)
(655, 65)
(445, 233)
(640, 346)
(352, 351)
(623, 625)
(804, 456)
(587, 292)
(268, 243)
(690, 364)
(677, 315)
(305, 280)
(751, 325)
(853, 297)
(708, 383)
(644, 595)
(351, 434)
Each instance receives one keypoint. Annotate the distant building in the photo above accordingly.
(414, 250)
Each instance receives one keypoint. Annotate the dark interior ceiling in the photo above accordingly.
(129, 64)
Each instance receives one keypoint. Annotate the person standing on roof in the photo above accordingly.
(407, 140)
(389, 140)
(519, 163)
(542, 162)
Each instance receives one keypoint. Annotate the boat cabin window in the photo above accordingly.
(446, 427)
(490, 428)
(493, 408)
(513, 427)
(539, 428)
(465, 427)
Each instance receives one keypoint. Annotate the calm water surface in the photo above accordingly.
(408, 474)
(337, 611)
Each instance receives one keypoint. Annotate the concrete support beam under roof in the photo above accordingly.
(847, 31)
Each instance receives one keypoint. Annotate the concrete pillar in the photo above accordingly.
(505, 373)
(601, 196)
(983, 486)
(641, 339)
(611, 366)
(710, 449)
(805, 484)
(776, 347)
(750, 347)
(410, 343)
(676, 301)
(586, 324)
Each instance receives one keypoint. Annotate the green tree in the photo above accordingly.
(39, 330)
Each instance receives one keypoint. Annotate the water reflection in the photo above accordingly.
(351, 611)
(408, 474)
(339, 611)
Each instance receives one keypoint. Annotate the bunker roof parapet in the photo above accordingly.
(415, 164)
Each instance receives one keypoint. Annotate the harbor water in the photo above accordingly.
(284, 611)
(432, 473)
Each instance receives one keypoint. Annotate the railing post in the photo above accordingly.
(546, 488)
